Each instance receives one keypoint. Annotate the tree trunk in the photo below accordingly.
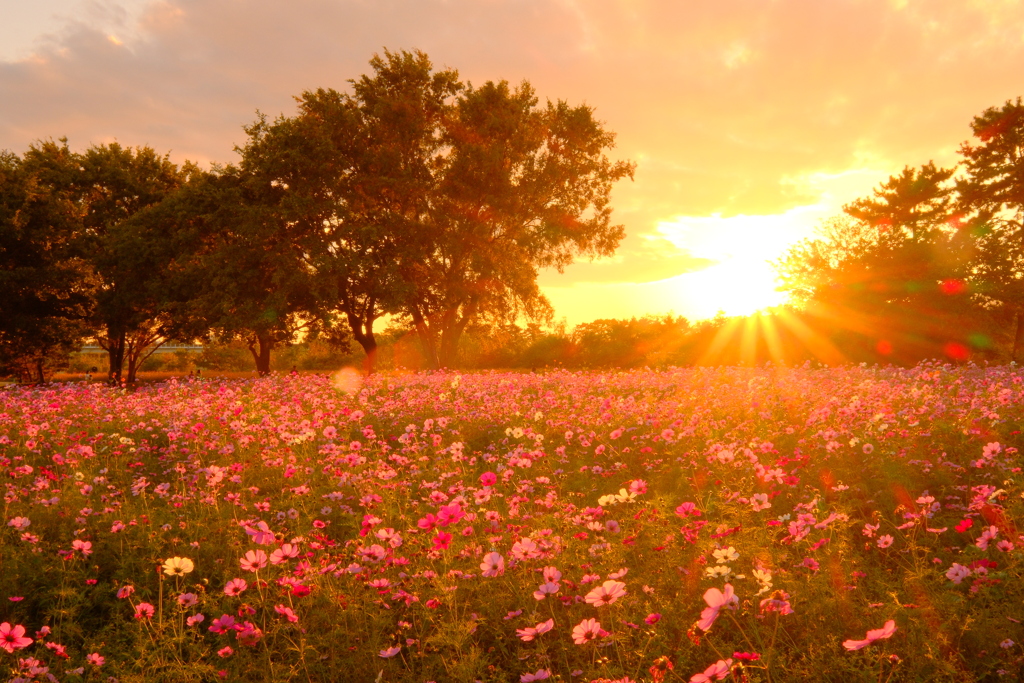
(259, 347)
(452, 333)
(132, 369)
(40, 377)
(115, 352)
(428, 340)
(362, 332)
(1018, 338)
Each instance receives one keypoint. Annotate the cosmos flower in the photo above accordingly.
(13, 637)
(877, 634)
(253, 561)
(493, 565)
(605, 594)
(716, 600)
(716, 672)
(178, 566)
(586, 630)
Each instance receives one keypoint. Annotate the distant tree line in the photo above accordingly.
(416, 197)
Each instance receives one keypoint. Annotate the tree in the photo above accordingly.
(352, 174)
(521, 187)
(993, 191)
(45, 287)
(423, 197)
(232, 267)
(114, 184)
(894, 270)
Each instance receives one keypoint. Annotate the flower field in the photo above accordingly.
(698, 524)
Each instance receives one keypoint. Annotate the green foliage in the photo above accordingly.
(45, 284)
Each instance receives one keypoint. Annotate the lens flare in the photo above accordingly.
(347, 380)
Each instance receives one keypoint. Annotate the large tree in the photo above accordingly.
(422, 197)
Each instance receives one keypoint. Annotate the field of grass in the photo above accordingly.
(698, 524)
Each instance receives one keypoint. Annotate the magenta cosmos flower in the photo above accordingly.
(13, 637)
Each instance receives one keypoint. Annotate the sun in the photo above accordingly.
(741, 280)
(737, 286)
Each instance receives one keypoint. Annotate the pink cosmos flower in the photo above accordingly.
(13, 637)
(125, 591)
(547, 588)
(586, 630)
(957, 573)
(987, 534)
(261, 534)
(493, 565)
(84, 547)
(688, 510)
(605, 594)
(254, 560)
(449, 514)
(375, 553)
(235, 587)
(877, 634)
(541, 675)
(248, 634)
(716, 600)
(716, 672)
(779, 602)
(759, 501)
(488, 479)
(195, 619)
(390, 652)
(530, 632)
(144, 610)
(225, 651)
(525, 549)
(652, 618)
(286, 612)
(95, 658)
(885, 541)
(284, 553)
(19, 523)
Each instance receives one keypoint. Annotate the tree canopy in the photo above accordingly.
(434, 201)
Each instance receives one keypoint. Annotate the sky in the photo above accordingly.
(750, 121)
